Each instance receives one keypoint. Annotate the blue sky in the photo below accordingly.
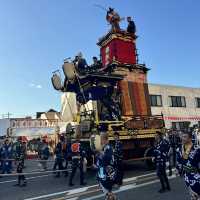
(36, 35)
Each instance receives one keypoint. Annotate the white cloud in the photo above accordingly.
(38, 86)
(32, 85)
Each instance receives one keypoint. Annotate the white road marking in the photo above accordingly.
(127, 187)
(78, 190)
(59, 193)
(74, 198)
(75, 191)
(30, 178)
(126, 180)
(47, 195)
(130, 179)
(142, 176)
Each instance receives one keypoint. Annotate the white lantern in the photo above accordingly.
(56, 81)
(69, 70)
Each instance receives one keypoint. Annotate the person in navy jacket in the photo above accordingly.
(78, 155)
(160, 157)
(188, 164)
(118, 158)
(6, 156)
(106, 173)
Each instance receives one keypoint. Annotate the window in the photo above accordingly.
(156, 100)
(180, 125)
(197, 102)
(177, 101)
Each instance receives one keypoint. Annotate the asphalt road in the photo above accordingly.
(139, 183)
(147, 191)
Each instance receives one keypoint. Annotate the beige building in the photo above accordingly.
(179, 105)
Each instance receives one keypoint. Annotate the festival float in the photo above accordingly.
(116, 87)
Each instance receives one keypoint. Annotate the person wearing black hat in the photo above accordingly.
(160, 157)
(131, 26)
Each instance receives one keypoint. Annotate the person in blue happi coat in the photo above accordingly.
(67, 154)
(194, 136)
(118, 158)
(106, 171)
(188, 164)
(59, 158)
(44, 154)
(160, 157)
(6, 156)
(19, 150)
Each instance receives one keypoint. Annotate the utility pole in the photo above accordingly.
(7, 115)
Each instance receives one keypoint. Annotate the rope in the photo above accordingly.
(29, 160)
(81, 90)
(35, 172)
(39, 172)
(100, 6)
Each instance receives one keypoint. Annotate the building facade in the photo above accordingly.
(4, 125)
(180, 106)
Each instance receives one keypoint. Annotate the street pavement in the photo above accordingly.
(139, 183)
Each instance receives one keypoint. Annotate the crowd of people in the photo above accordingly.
(180, 149)
(10, 152)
